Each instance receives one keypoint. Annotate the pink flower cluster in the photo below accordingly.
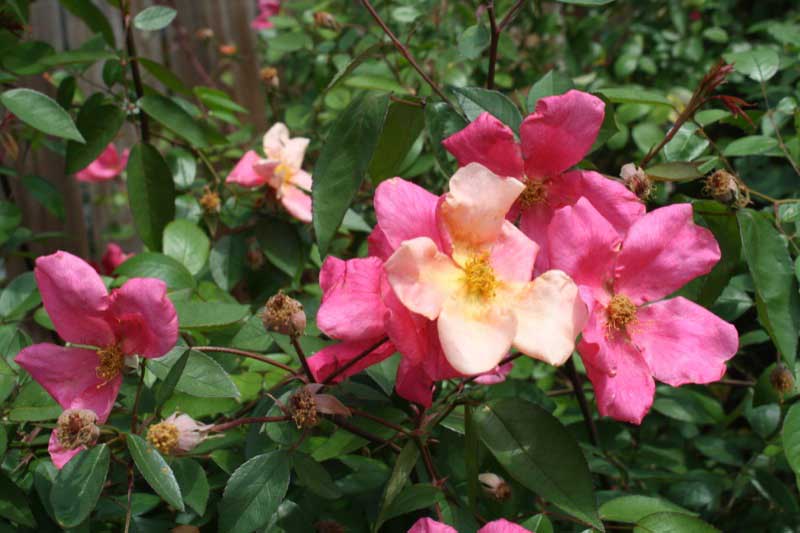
(266, 10)
(453, 284)
(281, 170)
(428, 525)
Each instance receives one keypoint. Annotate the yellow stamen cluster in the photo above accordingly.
(163, 436)
(111, 362)
(304, 409)
(479, 279)
(76, 427)
(210, 200)
(535, 192)
(621, 312)
(284, 172)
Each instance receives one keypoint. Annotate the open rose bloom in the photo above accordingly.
(102, 329)
(429, 525)
(107, 166)
(281, 170)
(266, 10)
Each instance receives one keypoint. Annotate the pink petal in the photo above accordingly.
(513, 254)
(406, 211)
(294, 151)
(428, 525)
(586, 244)
(495, 376)
(534, 222)
(59, 455)
(144, 318)
(503, 526)
(662, 252)
(75, 299)
(107, 166)
(560, 132)
(243, 173)
(413, 383)
(422, 276)
(113, 257)
(266, 172)
(297, 203)
(626, 393)
(475, 208)
(489, 142)
(379, 245)
(302, 179)
(352, 308)
(274, 140)
(475, 340)
(328, 360)
(683, 342)
(549, 314)
(69, 375)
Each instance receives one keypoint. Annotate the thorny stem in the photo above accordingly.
(495, 36)
(303, 360)
(405, 52)
(244, 353)
(144, 126)
(248, 420)
(572, 374)
(350, 364)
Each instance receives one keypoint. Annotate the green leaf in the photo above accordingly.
(475, 100)
(675, 171)
(586, 2)
(551, 84)
(209, 315)
(218, 100)
(155, 265)
(401, 128)
(193, 483)
(254, 492)
(771, 268)
(537, 451)
(412, 498)
(155, 471)
(46, 193)
(202, 377)
(92, 16)
(154, 18)
(186, 243)
(226, 261)
(343, 162)
(673, 523)
(441, 122)
(790, 435)
(624, 95)
(721, 220)
(759, 64)
(282, 245)
(165, 76)
(686, 145)
(33, 404)
(750, 145)
(167, 386)
(78, 485)
(183, 167)
(13, 504)
(99, 123)
(19, 297)
(354, 63)
(400, 474)
(174, 118)
(151, 194)
(688, 405)
(474, 41)
(41, 112)
(471, 456)
(631, 509)
(315, 477)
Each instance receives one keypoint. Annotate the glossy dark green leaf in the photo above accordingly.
(721, 220)
(218, 100)
(315, 477)
(540, 453)
(33, 404)
(412, 498)
(632, 508)
(19, 296)
(551, 84)
(167, 386)
(154, 18)
(193, 483)
(226, 261)
(46, 194)
(202, 377)
(475, 100)
(675, 171)
(282, 245)
(174, 118)
(441, 121)
(688, 405)
(186, 243)
(750, 145)
(165, 76)
(155, 471)
(673, 523)
(99, 123)
(13, 504)
(209, 315)
(625, 95)
(254, 492)
(92, 16)
(183, 166)
(151, 194)
(155, 265)
(78, 485)
(760, 63)
(473, 41)
(41, 112)
(790, 435)
(772, 270)
(403, 467)
(401, 128)
(343, 162)
(66, 92)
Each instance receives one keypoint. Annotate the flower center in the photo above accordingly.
(111, 362)
(479, 279)
(76, 427)
(163, 436)
(284, 172)
(535, 193)
(304, 409)
(620, 312)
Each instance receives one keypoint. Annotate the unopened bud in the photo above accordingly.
(77, 427)
(722, 187)
(323, 19)
(494, 486)
(636, 181)
(285, 315)
(228, 49)
(209, 201)
(204, 34)
(177, 433)
(269, 75)
(781, 379)
(304, 409)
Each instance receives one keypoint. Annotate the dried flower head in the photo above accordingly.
(77, 427)
(636, 181)
(304, 409)
(269, 75)
(210, 201)
(285, 315)
(723, 187)
(323, 19)
(781, 379)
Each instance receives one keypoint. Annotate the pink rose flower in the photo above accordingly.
(107, 166)
(267, 9)
(428, 525)
(280, 170)
(112, 258)
(552, 139)
(476, 284)
(633, 334)
(135, 319)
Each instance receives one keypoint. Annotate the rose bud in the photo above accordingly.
(323, 19)
(269, 75)
(781, 379)
(177, 434)
(285, 315)
(636, 181)
(494, 486)
(722, 187)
